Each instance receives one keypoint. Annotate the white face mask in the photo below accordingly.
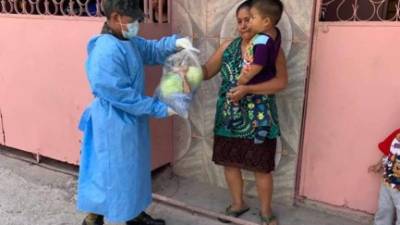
(133, 30)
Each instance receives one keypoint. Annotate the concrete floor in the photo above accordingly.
(216, 199)
(32, 195)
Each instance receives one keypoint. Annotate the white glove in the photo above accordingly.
(171, 112)
(185, 43)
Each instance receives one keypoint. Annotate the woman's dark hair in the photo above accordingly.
(245, 4)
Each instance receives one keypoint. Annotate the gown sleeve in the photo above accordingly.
(155, 52)
(109, 80)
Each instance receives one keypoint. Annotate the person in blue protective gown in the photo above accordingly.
(115, 166)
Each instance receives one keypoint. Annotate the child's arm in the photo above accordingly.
(256, 60)
(377, 167)
(248, 72)
(272, 86)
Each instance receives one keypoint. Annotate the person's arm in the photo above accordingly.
(155, 52)
(248, 72)
(110, 81)
(213, 65)
(377, 167)
(257, 61)
(276, 84)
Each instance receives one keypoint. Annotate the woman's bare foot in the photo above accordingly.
(268, 220)
(238, 206)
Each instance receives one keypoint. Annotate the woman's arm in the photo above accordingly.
(213, 65)
(276, 84)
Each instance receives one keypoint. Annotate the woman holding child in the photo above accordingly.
(237, 141)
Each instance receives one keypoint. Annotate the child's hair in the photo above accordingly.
(245, 4)
(269, 8)
(129, 8)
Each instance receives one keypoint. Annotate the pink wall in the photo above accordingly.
(43, 86)
(353, 103)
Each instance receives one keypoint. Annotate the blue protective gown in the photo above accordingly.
(115, 165)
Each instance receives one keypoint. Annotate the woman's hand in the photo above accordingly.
(213, 65)
(237, 93)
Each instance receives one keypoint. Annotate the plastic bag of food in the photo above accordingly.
(182, 76)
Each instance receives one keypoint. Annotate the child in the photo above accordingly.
(261, 54)
(260, 58)
(389, 197)
(115, 165)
